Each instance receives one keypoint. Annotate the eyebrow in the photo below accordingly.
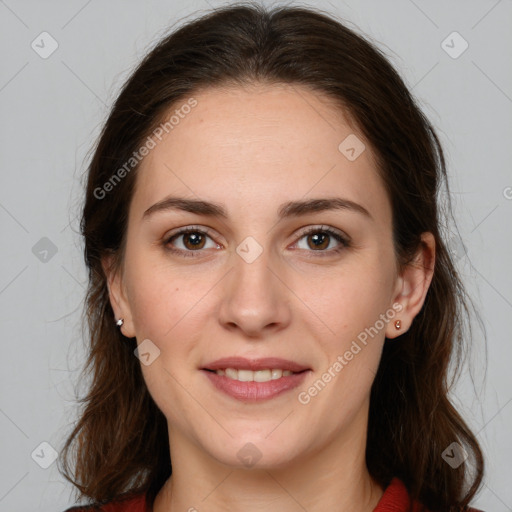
(286, 210)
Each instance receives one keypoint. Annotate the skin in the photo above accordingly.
(263, 145)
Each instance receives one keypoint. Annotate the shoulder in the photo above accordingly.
(136, 503)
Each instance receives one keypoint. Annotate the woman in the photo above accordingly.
(272, 307)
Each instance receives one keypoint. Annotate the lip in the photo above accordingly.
(242, 363)
(255, 391)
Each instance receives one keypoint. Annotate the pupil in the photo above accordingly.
(194, 238)
(320, 238)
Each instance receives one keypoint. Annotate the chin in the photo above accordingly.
(256, 452)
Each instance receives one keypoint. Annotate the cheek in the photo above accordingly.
(158, 298)
(352, 355)
(352, 348)
(164, 307)
(352, 300)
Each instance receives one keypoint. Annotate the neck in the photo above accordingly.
(332, 478)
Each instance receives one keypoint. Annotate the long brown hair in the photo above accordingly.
(119, 445)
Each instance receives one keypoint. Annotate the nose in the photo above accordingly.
(255, 298)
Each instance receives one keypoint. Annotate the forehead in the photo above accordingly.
(258, 145)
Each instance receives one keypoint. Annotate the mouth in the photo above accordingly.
(255, 380)
(253, 376)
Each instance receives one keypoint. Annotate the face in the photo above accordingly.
(313, 285)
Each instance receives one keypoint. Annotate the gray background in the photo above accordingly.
(52, 111)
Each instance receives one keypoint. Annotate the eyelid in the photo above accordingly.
(188, 229)
(323, 227)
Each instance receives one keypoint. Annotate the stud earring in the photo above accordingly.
(120, 322)
(398, 324)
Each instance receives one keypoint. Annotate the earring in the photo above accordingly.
(120, 322)
(398, 324)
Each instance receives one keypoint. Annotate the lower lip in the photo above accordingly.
(255, 391)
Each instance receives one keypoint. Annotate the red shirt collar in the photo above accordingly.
(395, 498)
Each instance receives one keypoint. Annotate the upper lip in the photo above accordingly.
(241, 363)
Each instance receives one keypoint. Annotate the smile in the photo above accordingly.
(253, 376)
(254, 386)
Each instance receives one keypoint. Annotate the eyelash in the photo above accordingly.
(344, 243)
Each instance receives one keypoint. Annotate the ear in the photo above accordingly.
(412, 285)
(117, 295)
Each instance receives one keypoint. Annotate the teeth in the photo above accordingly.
(257, 376)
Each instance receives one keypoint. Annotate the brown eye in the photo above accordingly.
(318, 239)
(194, 240)
(189, 241)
